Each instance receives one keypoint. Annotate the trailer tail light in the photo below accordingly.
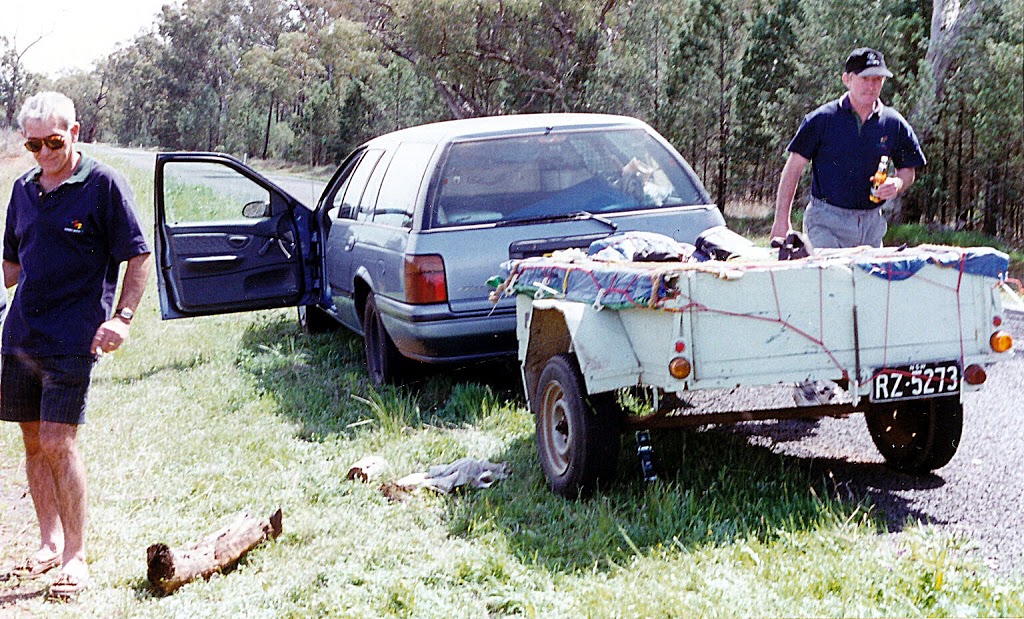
(1001, 341)
(997, 321)
(975, 375)
(679, 367)
(424, 280)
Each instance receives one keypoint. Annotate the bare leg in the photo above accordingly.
(60, 450)
(44, 495)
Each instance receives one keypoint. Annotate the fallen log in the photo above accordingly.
(169, 569)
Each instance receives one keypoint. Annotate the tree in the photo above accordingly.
(497, 57)
(15, 82)
(704, 75)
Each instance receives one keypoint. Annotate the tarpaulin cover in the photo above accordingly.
(574, 276)
(984, 261)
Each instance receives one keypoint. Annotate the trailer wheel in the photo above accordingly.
(917, 436)
(577, 442)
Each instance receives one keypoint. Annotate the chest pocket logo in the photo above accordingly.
(75, 227)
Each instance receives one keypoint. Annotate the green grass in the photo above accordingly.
(195, 420)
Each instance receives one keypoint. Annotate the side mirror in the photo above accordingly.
(256, 210)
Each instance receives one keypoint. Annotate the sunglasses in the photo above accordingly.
(53, 142)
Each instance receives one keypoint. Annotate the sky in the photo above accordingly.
(75, 33)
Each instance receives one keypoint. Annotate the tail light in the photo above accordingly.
(424, 279)
(1001, 341)
(975, 375)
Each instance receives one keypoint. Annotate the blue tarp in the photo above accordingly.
(984, 261)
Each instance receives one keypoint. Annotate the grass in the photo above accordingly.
(195, 420)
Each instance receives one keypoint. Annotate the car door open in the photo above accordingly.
(229, 240)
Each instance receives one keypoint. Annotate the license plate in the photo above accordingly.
(918, 380)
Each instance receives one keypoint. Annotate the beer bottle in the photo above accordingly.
(879, 177)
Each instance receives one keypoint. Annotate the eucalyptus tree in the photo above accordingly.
(15, 81)
(497, 57)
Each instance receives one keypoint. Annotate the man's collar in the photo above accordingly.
(844, 104)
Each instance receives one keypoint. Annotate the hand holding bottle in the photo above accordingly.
(878, 179)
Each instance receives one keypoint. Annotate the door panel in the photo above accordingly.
(237, 242)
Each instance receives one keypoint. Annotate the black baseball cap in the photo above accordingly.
(866, 62)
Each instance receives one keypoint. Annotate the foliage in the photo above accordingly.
(727, 81)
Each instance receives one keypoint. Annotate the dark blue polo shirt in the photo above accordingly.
(844, 155)
(69, 243)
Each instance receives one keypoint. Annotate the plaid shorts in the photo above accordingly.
(44, 388)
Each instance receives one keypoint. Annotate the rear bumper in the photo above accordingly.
(433, 334)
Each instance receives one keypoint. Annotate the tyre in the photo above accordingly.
(577, 444)
(917, 436)
(383, 361)
(313, 320)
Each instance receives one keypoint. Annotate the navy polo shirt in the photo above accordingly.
(844, 154)
(69, 244)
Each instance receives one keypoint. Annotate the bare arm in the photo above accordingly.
(787, 189)
(113, 332)
(11, 272)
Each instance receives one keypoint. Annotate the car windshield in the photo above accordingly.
(521, 178)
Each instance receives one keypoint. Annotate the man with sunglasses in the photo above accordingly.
(70, 223)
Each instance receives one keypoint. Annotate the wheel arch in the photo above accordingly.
(597, 339)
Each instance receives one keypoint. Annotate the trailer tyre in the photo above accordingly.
(917, 436)
(577, 443)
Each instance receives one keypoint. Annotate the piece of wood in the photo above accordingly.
(169, 569)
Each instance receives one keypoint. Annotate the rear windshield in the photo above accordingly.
(548, 175)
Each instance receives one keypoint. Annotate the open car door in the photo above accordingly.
(229, 240)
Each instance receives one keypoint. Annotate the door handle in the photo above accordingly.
(237, 240)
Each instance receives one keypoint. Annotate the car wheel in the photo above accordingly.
(917, 436)
(383, 361)
(313, 320)
(577, 443)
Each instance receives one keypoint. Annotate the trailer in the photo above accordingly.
(902, 334)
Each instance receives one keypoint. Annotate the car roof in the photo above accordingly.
(496, 126)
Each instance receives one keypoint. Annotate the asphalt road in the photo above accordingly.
(979, 494)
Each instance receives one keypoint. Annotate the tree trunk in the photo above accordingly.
(170, 569)
(948, 17)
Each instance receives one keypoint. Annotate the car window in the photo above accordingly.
(398, 192)
(203, 192)
(336, 192)
(551, 174)
(356, 184)
(369, 198)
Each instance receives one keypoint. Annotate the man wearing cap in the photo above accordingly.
(844, 140)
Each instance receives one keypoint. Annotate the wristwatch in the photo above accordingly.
(125, 314)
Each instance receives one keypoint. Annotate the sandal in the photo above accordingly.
(66, 587)
(32, 567)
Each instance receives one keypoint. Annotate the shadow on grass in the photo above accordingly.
(715, 487)
(321, 382)
(182, 365)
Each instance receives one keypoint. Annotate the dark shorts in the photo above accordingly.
(44, 388)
